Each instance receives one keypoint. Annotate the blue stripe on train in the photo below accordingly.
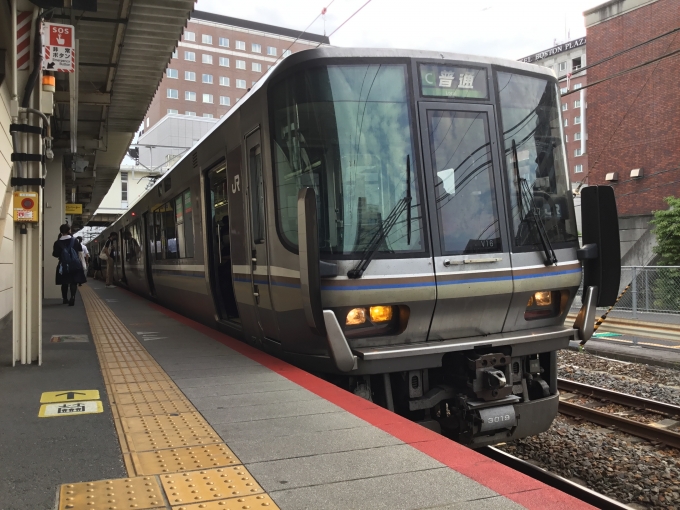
(387, 286)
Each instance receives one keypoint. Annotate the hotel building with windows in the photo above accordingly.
(217, 60)
(567, 60)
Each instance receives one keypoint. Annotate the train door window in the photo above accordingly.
(188, 224)
(464, 187)
(256, 194)
(179, 219)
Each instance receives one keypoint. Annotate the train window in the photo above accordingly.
(345, 131)
(188, 225)
(179, 220)
(132, 249)
(534, 160)
(173, 234)
(461, 160)
(257, 194)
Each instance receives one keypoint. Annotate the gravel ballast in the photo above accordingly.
(626, 468)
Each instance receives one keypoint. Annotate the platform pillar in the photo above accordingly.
(54, 200)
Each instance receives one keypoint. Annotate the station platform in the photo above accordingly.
(142, 408)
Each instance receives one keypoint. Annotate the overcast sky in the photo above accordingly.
(500, 28)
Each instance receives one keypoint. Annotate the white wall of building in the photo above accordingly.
(137, 182)
(6, 223)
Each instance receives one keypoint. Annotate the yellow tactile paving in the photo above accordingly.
(259, 502)
(146, 441)
(178, 460)
(142, 492)
(162, 436)
(148, 397)
(164, 423)
(209, 484)
(154, 408)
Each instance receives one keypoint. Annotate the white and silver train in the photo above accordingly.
(398, 222)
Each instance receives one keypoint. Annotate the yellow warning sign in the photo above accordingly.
(68, 396)
(70, 408)
(26, 206)
(74, 209)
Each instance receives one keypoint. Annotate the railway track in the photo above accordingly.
(637, 328)
(646, 431)
(573, 489)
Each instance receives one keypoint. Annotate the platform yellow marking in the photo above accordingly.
(261, 501)
(145, 441)
(209, 484)
(148, 397)
(155, 408)
(49, 397)
(70, 408)
(139, 493)
(161, 434)
(178, 460)
(163, 423)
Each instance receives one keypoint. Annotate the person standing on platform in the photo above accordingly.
(70, 268)
(84, 257)
(110, 250)
(86, 252)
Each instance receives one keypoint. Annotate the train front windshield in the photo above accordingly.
(347, 131)
(534, 155)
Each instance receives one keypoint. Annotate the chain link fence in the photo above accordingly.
(653, 289)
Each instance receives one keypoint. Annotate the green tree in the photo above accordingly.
(667, 281)
(667, 230)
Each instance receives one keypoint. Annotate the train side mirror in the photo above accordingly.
(601, 252)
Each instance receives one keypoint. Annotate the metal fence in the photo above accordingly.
(653, 289)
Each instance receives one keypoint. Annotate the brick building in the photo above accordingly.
(566, 59)
(634, 116)
(217, 60)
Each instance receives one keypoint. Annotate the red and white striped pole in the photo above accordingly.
(23, 39)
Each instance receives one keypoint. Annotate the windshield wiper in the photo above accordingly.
(386, 226)
(526, 195)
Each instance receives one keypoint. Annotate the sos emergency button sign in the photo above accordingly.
(58, 48)
(26, 206)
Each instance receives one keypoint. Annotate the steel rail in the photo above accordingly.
(551, 479)
(618, 398)
(634, 428)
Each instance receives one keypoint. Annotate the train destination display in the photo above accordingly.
(453, 81)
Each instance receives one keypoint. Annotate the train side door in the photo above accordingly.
(471, 256)
(149, 250)
(257, 226)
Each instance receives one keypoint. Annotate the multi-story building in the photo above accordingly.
(217, 60)
(567, 60)
(634, 112)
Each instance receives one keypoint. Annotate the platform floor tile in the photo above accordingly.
(431, 488)
(209, 485)
(259, 502)
(141, 492)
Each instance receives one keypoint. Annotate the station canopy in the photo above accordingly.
(124, 47)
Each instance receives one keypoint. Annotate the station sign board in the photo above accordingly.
(26, 207)
(58, 48)
(74, 209)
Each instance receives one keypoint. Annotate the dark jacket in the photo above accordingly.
(62, 279)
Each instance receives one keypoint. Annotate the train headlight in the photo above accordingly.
(356, 316)
(381, 313)
(543, 304)
(543, 298)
